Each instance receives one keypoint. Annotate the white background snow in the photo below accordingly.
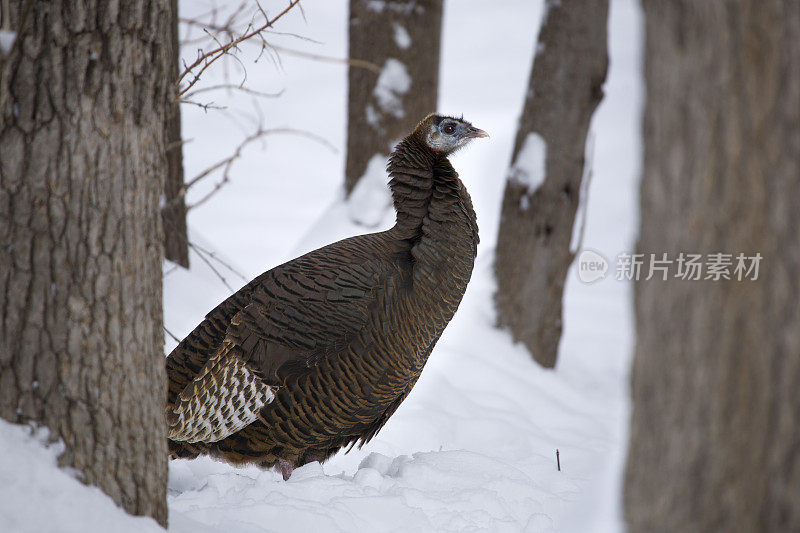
(473, 447)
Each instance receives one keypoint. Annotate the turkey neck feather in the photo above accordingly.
(411, 169)
(434, 211)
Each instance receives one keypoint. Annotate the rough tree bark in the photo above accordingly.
(176, 241)
(715, 439)
(544, 181)
(81, 171)
(401, 37)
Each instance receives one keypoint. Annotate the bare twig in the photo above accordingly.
(303, 12)
(225, 27)
(230, 87)
(226, 163)
(211, 266)
(359, 63)
(309, 135)
(213, 255)
(207, 255)
(174, 266)
(204, 107)
(295, 35)
(204, 60)
(176, 339)
(227, 30)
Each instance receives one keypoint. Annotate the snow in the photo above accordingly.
(7, 38)
(548, 5)
(393, 82)
(371, 198)
(450, 490)
(401, 36)
(36, 496)
(473, 446)
(398, 7)
(528, 168)
(376, 5)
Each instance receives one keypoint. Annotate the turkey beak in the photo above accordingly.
(476, 133)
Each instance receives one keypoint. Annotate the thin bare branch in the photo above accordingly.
(359, 63)
(303, 12)
(230, 87)
(227, 162)
(206, 255)
(213, 255)
(225, 27)
(168, 332)
(206, 59)
(204, 107)
(205, 260)
(295, 35)
(272, 53)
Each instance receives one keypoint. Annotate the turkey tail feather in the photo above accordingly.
(225, 397)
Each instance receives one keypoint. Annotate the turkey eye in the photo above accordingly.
(449, 129)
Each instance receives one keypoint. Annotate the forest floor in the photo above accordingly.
(473, 448)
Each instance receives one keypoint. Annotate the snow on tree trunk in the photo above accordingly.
(401, 38)
(544, 181)
(82, 168)
(715, 427)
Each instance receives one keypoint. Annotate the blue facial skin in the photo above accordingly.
(450, 134)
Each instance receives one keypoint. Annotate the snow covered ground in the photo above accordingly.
(473, 448)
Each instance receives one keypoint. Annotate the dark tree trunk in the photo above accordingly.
(176, 242)
(544, 182)
(81, 172)
(401, 38)
(715, 432)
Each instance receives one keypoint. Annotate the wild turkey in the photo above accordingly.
(318, 353)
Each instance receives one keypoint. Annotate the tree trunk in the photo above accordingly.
(401, 38)
(544, 181)
(715, 439)
(81, 173)
(173, 214)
